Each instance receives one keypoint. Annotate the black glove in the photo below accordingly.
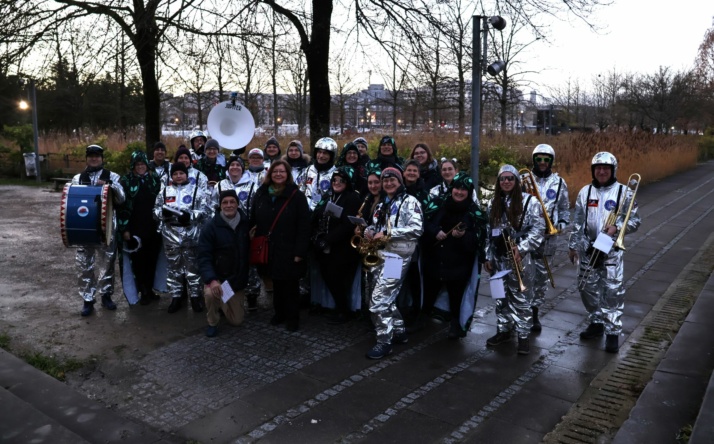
(184, 218)
(166, 213)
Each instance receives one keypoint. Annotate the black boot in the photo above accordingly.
(175, 305)
(536, 322)
(455, 331)
(197, 304)
(593, 331)
(108, 303)
(612, 343)
(499, 338)
(87, 308)
(252, 302)
(524, 346)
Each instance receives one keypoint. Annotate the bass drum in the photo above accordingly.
(86, 215)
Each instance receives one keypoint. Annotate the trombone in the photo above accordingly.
(531, 187)
(611, 219)
(517, 266)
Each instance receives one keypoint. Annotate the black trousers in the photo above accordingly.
(455, 289)
(143, 263)
(286, 300)
(338, 277)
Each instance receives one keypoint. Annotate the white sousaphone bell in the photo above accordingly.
(231, 124)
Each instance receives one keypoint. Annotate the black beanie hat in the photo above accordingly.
(213, 143)
(227, 193)
(179, 166)
(182, 150)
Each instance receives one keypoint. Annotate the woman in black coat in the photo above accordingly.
(454, 236)
(331, 240)
(289, 240)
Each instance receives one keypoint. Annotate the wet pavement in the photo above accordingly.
(261, 383)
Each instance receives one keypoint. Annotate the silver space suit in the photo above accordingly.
(180, 242)
(514, 311)
(99, 257)
(554, 192)
(316, 184)
(603, 293)
(405, 217)
(245, 189)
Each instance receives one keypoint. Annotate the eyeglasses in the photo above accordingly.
(507, 178)
(338, 180)
(543, 159)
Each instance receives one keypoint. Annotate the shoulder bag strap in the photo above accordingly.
(281, 212)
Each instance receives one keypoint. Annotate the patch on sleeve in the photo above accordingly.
(592, 203)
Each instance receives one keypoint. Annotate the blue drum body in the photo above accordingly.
(86, 215)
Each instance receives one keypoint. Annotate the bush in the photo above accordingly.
(706, 146)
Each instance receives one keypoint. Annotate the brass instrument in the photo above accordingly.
(460, 226)
(531, 187)
(517, 266)
(611, 219)
(368, 248)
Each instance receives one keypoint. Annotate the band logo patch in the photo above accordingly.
(192, 180)
(242, 196)
(550, 194)
(187, 199)
(592, 203)
(610, 205)
(324, 185)
(83, 211)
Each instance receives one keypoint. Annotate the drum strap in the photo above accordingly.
(84, 178)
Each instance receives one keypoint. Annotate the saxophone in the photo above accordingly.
(367, 248)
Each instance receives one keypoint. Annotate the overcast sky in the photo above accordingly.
(640, 36)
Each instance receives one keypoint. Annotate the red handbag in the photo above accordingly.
(259, 244)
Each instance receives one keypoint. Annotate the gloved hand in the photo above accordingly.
(184, 218)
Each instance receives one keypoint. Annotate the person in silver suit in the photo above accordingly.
(101, 258)
(517, 216)
(554, 192)
(181, 209)
(319, 174)
(602, 292)
(404, 228)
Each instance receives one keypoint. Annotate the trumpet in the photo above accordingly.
(517, 266)
(611, 219)
(531, 187)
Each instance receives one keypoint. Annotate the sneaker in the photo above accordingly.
(175, 305)
(197, 305)
(211, 331)
(499, 338)
(400, 338)
(524, 346)
(536, 322)
(593, 331)
(88, 308)
(612, 343)
(379, 351)
(108, 303)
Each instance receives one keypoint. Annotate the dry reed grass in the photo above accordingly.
(652, 156)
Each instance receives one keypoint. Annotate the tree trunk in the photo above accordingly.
(145, 45)
(317, 55)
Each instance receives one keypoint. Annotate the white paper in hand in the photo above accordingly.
(333, 210)
(603, 243)
(498, 289)
(392, 266)
(227, 291)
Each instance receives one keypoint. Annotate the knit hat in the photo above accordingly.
(361, 140)
(509, 169)
(347, 173)
(463, 181)
(257, 151)
(182, 150)
(179, 166)
(297, 144)
(272, 141)
(235, 158)
(227, 193)
(392, 172)
(159, 145)
(138, 156)
(213, 143)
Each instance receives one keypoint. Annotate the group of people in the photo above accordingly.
(394, 238)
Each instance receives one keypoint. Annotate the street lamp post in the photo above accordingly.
(480, 26)
(32, 97)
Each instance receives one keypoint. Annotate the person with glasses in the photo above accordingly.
(554, 192)
(516, 230)
(398, 222)
(428, 166)
(350, 157)
(336, 259)
(319, 174)
(289, 240)
(449, 168)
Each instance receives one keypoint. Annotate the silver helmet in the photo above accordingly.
(544, 148)
(327, 144)
(605, 158)
(195, 134)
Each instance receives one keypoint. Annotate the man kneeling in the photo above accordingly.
(223, 256)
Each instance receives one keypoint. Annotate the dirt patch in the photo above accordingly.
(39, 298)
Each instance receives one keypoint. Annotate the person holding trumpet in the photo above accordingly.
(607, 208)
(553, 193)
(516, 230)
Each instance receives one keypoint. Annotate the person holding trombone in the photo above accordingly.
(552, 192)
(604, 209)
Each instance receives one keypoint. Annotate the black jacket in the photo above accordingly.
(223, 252)
(291, 235)
(452, 258)
(339, 230)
